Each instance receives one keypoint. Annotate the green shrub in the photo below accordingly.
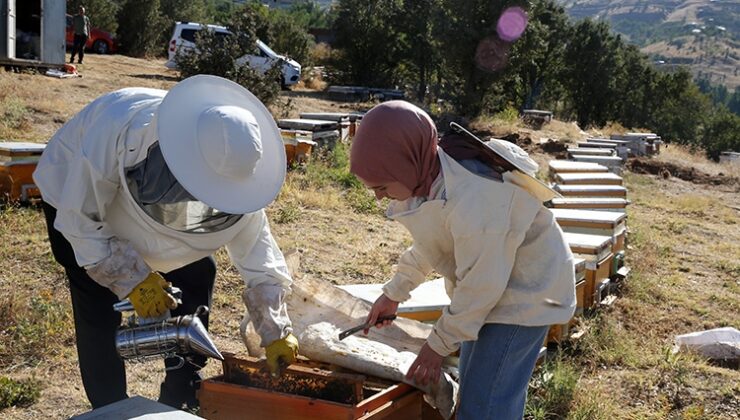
(287, 213)
(219, 55)
(508, 114)
(21, 393)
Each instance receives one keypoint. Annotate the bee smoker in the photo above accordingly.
(142, 339)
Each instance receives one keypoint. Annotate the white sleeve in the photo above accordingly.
(261, 264)
(411, 272)
(257, 256)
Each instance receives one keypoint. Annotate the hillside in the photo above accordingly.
(701, 34)
(684, 250)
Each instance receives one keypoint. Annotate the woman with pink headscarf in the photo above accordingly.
(499, 249)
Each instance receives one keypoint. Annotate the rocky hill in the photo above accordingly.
(701, 34)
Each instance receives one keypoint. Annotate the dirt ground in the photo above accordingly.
(683, 249)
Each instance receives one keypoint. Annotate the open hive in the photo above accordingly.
(306, 390)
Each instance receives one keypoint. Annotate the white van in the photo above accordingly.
(262, 60)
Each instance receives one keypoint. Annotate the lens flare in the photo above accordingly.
(512, 23)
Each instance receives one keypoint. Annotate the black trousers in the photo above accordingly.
(78, 46)
(103, 372)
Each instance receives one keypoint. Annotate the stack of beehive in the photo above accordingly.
(312, 129)
(17, 162)
(592, 213)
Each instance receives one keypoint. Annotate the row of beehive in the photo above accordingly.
(18, 159)
(613, 151)
(592, 214)
(316, 129)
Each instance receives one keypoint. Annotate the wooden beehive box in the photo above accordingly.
(593, 151)
(616, 191)
(298, 145)
(604, 223)
(589, 178)
(305, 391)
(596, 144)
(342, 118)
(561, 332)
(591, 203)
(569, 166)
(596, 251)
(17, 162)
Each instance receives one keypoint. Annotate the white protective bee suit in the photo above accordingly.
(86, 173)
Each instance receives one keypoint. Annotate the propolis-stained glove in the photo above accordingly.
(284, 350)
(149, 298)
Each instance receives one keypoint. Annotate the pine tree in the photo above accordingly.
(141, 27)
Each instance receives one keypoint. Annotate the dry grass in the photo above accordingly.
(683, 251)
(680, 246)
(686, 156)
(568, 132)
(315, 213)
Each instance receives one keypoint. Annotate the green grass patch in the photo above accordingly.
(551, 391)
(330, 169)
(608, 344)
(21, 393)
(287, 212)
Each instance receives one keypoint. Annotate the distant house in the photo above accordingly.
(33, 32)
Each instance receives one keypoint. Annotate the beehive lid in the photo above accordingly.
(310, 125)
(356, 116)
(607, 203)
(598, 159)
(429, 296)
(326, 116)
(596, 144)
(10, 148)
(136, 407)
(569, 178)
(609, 141)
(581, 243)
(596, 189)
(566, 166)
(589, 216)
(590, 151)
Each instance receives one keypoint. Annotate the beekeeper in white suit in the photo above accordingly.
(140, 189)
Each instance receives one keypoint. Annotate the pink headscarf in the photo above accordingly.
(396, 141)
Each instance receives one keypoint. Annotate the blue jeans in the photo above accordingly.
(495, 371)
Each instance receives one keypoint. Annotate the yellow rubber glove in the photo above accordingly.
(283, 351)
(149, 298)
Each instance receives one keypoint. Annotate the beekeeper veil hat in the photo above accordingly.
(221, 144)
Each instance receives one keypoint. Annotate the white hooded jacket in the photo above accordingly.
(81, 174)
(499, 249)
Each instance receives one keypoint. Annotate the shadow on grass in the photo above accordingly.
(156, 77)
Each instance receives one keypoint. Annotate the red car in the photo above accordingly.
(99, 41)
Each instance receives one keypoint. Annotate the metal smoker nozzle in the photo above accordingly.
(167, 337)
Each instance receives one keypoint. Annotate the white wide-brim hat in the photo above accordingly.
(212, 169)
(521, 169)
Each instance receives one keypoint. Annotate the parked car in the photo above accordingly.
(99, 41)
(184, 35)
